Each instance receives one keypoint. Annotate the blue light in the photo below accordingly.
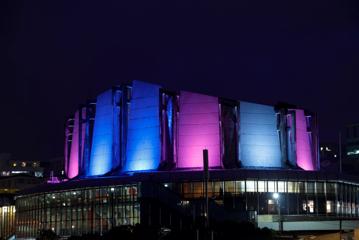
(143, 137)
(292, 158)
(169, 117)
(101, 160)
(259, 140)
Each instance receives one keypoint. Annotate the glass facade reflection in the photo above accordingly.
(78, 211)
(174, 200)
(322, 198)
(7, 221)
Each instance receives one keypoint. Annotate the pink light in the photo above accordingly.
(73, 166)
(83, 134)
(53, 180)
(304, 149)
(198, 130)
(67, 134)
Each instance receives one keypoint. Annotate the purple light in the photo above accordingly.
(53, 180)
(198, 130)
(304, 150)
(83, 134)
(67, 136)
(73, 166)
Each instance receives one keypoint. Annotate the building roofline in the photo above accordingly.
(193, 176)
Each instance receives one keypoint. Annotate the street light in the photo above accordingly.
(276, 197)
(112, 190)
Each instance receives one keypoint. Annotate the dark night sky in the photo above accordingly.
(56, 54)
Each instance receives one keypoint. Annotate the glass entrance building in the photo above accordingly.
(135, 156)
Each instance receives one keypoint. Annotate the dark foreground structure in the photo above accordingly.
(135, 155)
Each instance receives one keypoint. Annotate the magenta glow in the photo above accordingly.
(198, 130)
(73, 165)
(304, 150)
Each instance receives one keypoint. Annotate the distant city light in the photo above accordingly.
(17, 172)
(355, 152)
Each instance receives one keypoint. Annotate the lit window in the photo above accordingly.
(271, 186)
(262, 186)
(184, 203)
(311, 206)
(293, 187)
(320, 187)
(281, 186)
(304, 206)
(251, 186)
(308, 206)
(229, 186)
(310, 187)
(197, 189)
(240, 186)
(272, 206)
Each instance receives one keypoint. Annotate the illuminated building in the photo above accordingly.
(10, 167)
(15, 175)
(143, 127)
(135, 156)
(350, 155)
(7, 216)
(352, 141)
